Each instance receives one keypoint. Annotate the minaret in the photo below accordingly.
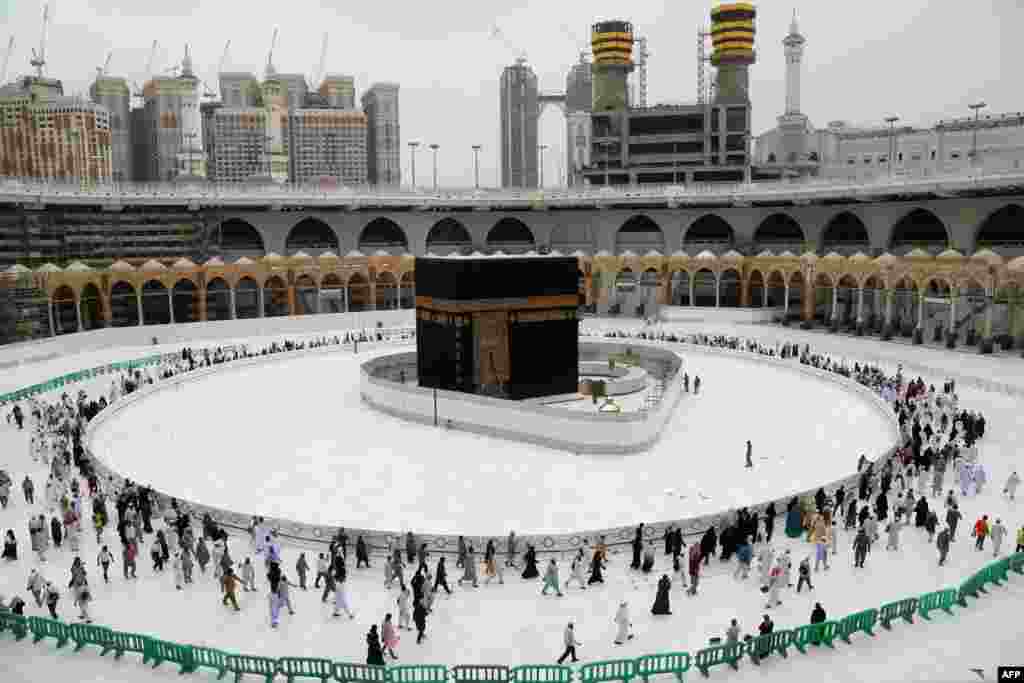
(794, 44)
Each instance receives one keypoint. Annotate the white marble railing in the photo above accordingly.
(34, 190)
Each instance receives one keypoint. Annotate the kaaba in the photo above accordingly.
(505, 327)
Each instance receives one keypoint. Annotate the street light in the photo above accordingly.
(542, 148)
(412, 154)
(977, 107)
(434, 147)
(891, 120)
(476, 166)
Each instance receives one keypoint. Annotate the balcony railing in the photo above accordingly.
(212, 193)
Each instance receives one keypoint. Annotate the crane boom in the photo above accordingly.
(323, 61)
(149, 62)
(223, 58)
(270, 55)
(7, 59)
(39, 58)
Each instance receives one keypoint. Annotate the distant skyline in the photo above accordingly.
(922, 60)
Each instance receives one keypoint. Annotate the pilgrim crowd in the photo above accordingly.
(922, 484)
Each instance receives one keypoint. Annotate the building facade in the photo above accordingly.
(45, 135)
(328, 145)
(340, 91)
(172, 130)
(519, 126)
(383, 139)
(241, 144)
(113, 94)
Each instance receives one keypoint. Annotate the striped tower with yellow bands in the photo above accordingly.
(732, 40)
(611, 43)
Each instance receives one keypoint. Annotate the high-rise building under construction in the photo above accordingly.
(519, 118)
(383, 142)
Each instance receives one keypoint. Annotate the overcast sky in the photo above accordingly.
(919, 59)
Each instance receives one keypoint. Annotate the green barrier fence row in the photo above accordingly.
(81, 375)
(191, 658)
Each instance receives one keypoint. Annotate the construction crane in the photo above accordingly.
(39, 58)
(499, 35)
(101, 71)
(270, 55)
(7, 59)
(136, 90)
(323, 61)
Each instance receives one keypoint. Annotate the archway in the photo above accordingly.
(124, 305)
(332, 294)
(640, 234)
(708, 232)
(240, 238)
(511, 236)
(776, 289)
(905, 304)
(386, 291)
(247, 298)
(383, 234)
(756, 287)
(920, 228)
(729, 289)
(681, 288)
(779, 230)
(624, 297)
(65, 316)
(823, 298)
(275, 297)
(448, 235)
(186, 304)
(312, 236)
(874, 313)
(218, 300)
(796, 293)
(92, 307)
(845, 232)
(937, 311)
(306, 295)
(1002, 229)
(156, 304)
(704, 285)
(971, 302)
(358, 293)
(407, 290)
(846, 301)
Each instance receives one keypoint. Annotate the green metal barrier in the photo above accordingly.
(999, 571)
(424, 673)
(48, 628)
(88, 634)
(160, 651)
(240, 665)
(129, 642)
(542, 673)
(481, 673)
(609, 670)
(815, 634)
(15, 623)
(209, 658)
(675, 663)
(902, 609)
(360, 673)
(305, 667)
(762, 646)
(943, 600)
(861, 622)
(1017, 562)
(730, 654)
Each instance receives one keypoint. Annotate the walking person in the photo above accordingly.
(942, 543)
(374, 652)
(576, 570)
(404, 603)
(750, 449)
(469, 573)
(744, 556)
(623, 624)
(510, 559)
(229, 585)
(551, 579)
(340, 592)
(861, 544)
(441, 577)
(419, 617)
(805, 575)
(981, 530)
(694, 562)
(953, 517)
(661, 600)
(570, 644)
(389, 636)
(998, 533)
(302, 568)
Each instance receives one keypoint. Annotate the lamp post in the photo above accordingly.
(891, 120)
(605, 147)
(434, 147)
(412, 155)
(476, 166)
(976, 107)
(541, 148)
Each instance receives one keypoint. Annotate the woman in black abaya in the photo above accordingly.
(661, 605)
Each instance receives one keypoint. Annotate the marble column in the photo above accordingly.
(49, 308)
(764, 296)
(718, 291)
(234, 313)
(785, 305)
(259, 301)
(78, 313)
(987, 331)
(953, 294)
(835, 303)
(692, 302)
(860, 305)
(889, 296)
(920, 311)
(138, 303)
(170, 303)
